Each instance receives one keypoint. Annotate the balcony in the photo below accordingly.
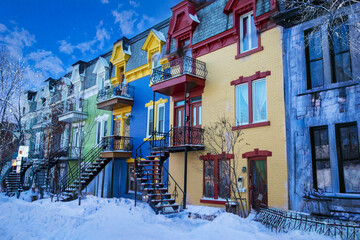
(72, 113)
(170, 78)
(117, 147)
(183, 137)
(115, 97)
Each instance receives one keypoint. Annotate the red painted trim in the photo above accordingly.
(251, 125)
(215, 43)
(212, 201)
(244, 54)
(253, 77)
(257, 153)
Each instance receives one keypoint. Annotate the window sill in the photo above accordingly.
(244, 54)
(212, 201)
(251, 125)
(329, 87)
(339, 196)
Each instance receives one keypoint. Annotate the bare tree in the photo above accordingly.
(221, 141)
(11, 84)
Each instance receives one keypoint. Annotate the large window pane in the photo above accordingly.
(224, 179)
(248, 37)
(259, 100)
(314, 58)
(321, 159)
(341, 53)
(150, 121)
(242, 105)
(209, 181)
(161, 116)
(349, 158)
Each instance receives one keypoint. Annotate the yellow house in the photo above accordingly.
(231, 66)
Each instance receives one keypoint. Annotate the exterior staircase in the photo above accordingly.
(150, 171)
(91, 165)
(13, 180)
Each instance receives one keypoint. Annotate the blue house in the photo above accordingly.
(322, 100)
(136, 111)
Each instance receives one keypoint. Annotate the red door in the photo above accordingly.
(195, 118)
(178, 130)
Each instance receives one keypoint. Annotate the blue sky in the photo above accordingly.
(51, 35)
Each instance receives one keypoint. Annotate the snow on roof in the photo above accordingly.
(194, 18)
(160, 35)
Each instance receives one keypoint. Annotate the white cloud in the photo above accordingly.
(104, 1)
(134, 3)
(46, 61)
(126, 20)
(40, 64)
(144, 20)
(101, 36)
(16, 39)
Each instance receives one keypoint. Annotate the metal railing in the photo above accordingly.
(158, 141)
(73, 173)
(122, 90)
(178, 67)
(118, 143)
(185, 135)
(283, 221)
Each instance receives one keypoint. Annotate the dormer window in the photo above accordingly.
(155, 60)
(248, 35)
(100, 79)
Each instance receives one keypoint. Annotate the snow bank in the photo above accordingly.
(99, 218)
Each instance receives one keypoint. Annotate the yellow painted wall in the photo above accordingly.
(219, 98)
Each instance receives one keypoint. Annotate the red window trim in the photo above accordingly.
(215, 158)
(239, 13)
(257, 153)
(248, 80)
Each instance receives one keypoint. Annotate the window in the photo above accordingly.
(251, 109)
(340, 54)
(100, 80)
(248, 35)
(150, 121)
(314, 58)
(321, 159)
(348, 157)
(131, 179)
(216, 178)
(37, 142)
(155, 60)
(101, 130)
(160, 125)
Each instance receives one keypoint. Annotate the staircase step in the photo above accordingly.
(163, 200)
(154, 189)
(148, 165)
(157, 184)
(167, 205)
(157, 194)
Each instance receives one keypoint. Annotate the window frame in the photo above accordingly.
(216, 160)
(340, 160)
(315, 160)
(249, 25)
(158, 117)
(249, 80)
(148, 134)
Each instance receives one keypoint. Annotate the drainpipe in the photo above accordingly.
(185, 158)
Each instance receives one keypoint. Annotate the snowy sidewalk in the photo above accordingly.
(99, 218)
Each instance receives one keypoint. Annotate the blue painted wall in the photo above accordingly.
(332, 104)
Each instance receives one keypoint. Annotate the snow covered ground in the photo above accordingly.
(100, 218)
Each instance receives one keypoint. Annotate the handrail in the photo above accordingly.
(73, 173)
(118, 90)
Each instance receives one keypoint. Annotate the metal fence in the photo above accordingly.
(283, 221)
(122, 90)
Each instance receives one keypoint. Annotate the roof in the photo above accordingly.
(212, 21)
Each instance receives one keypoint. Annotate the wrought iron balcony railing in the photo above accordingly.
(122, 90)
(185, 135)
(118, 143)
(178, 67)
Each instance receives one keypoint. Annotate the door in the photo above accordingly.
(178, 130)
(117, 132)
(258, 183)
(195, 118)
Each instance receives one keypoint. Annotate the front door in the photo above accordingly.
(195, 118)
(178, 130)
(117, 132)
(258, 183)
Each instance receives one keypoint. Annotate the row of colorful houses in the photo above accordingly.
(288, 87)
